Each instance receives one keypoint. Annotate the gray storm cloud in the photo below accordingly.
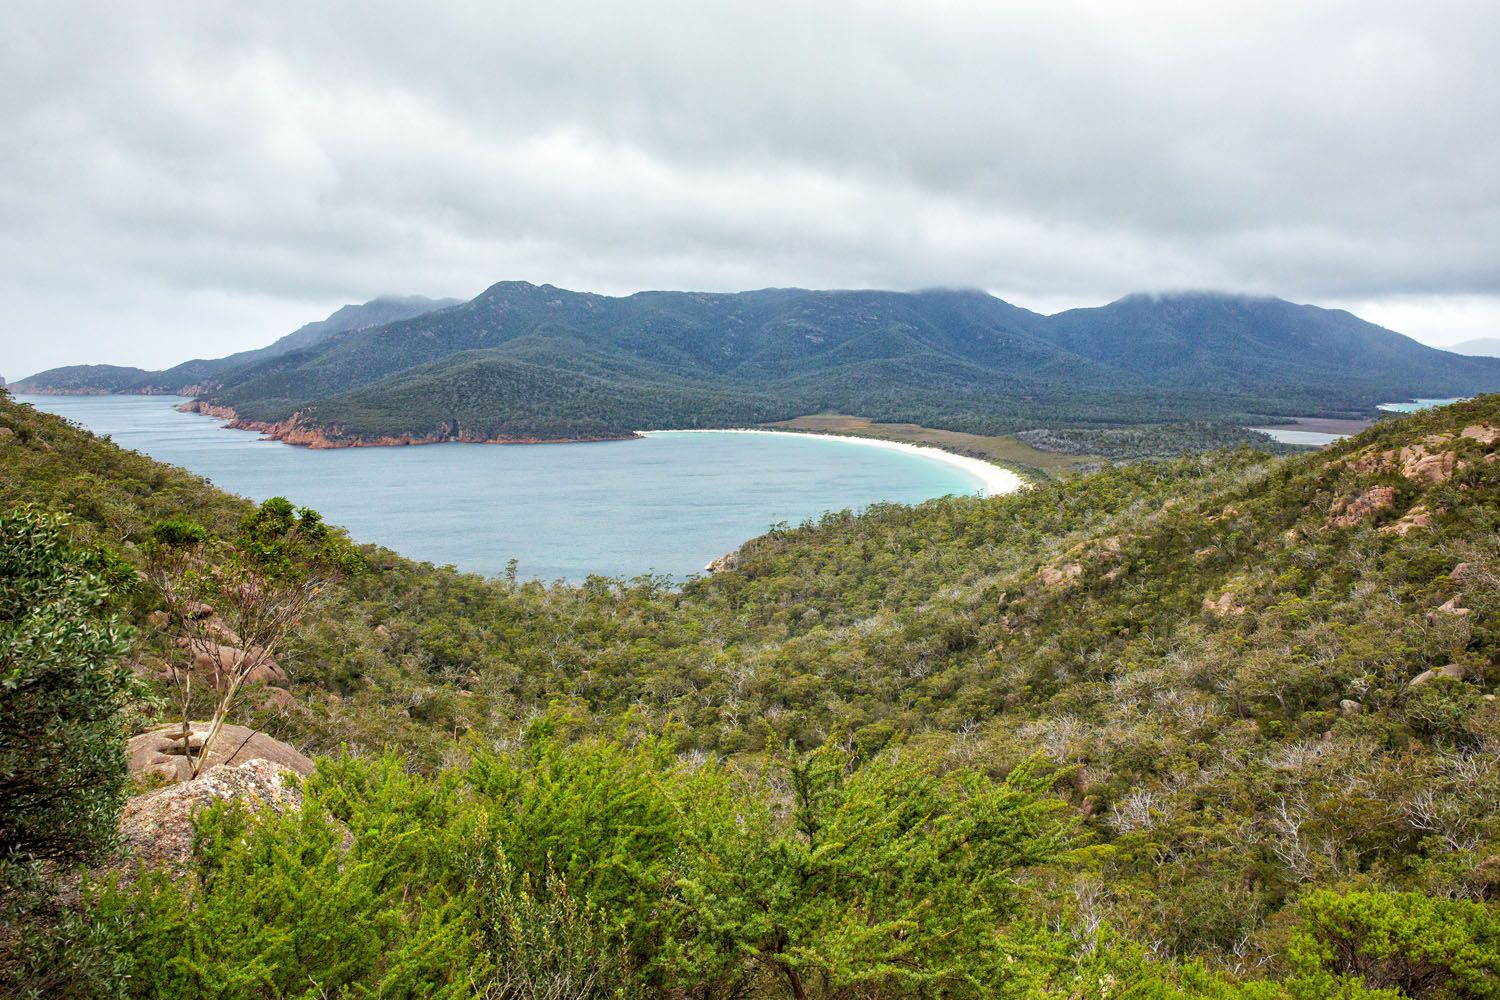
(185, 179)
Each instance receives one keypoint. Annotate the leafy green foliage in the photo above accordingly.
(281, 906)
(256, 589)
(1421, 946)
(62, 773)
(881, 877)
(62, 692)
(112, 496)
(460, 882)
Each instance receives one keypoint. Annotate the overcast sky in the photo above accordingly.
(189, 179)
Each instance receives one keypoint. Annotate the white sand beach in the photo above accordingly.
(993, 479)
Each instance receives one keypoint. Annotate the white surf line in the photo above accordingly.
(993, 479)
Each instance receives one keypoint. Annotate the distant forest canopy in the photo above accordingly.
(523, 361)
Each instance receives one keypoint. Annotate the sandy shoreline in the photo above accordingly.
(993, 479)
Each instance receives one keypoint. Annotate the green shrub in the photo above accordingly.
(595, 870)
(1424, 947)
(62, 764)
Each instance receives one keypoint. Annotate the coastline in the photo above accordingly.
(994, 480)
(299, 435)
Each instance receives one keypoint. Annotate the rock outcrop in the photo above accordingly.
(728, 561)
(1483, 433)
(159, 752)
(1430, 461)
(275, 698)
(1225, 606)
(1453, 670)
(1453, 607)
(1421, 466)
(297, 430)
(1057, 576)
(1347, 512)
(157, 827)
(213, 663)
(1418, 517)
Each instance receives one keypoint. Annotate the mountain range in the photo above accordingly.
(188, 377)
(535, 362)
(1488, 347)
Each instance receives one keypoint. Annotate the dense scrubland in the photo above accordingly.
(1214, 727)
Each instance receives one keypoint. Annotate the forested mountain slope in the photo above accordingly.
(960, 360)
(1264, 686)
(200, 375)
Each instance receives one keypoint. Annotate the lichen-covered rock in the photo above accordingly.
(157, 827)
(1483, 433)
(1224, 606)
(1418, 517)
(277, 698)
(1420, 465)
(1347, 512)
(1056, 576)
(159, 752)
(725, 563)
(1453, 670)
(213, 662)
(1453, 607)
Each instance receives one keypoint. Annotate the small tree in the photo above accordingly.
(881, 879)
(62, 762)
(248, 595)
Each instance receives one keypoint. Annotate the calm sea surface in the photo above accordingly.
(664, 504)
(1414, 405)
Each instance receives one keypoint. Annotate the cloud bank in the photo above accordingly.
(190, 178)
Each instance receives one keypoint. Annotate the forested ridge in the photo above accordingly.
(956, 360)
(524, 362)
(201, 374)
(1215, 727)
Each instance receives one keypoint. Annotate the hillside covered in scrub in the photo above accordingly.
(1218, 727)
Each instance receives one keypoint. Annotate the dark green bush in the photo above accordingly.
(62, 765)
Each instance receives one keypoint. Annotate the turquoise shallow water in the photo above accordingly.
(665, 504)
(1414, 405)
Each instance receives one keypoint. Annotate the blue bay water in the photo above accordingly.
(1416, 405)
(667, 503)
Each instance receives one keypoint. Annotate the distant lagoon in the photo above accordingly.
(1288, 435)
(667, 503)
(1413, 405)
(1292, 434)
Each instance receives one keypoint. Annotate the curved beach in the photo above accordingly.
(993, 479)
